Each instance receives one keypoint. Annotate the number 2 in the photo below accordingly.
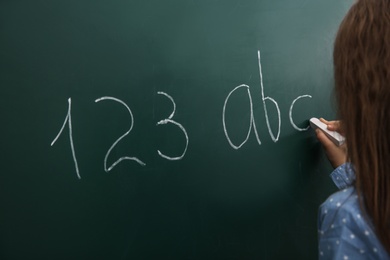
(120, 138)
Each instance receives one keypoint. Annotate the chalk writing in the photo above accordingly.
(252, 119)
(169, 120)
(68, 119)
(120, 138)
(290, 113)
(275, 139)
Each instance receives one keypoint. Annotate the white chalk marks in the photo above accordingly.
(120, 138)
(290, 113)
(169, 120)
(68, 119)
(267, 102)
(252, 121)
(107, 168)
(252, 124)
(275, 139)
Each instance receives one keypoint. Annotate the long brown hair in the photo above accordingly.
(362, 88)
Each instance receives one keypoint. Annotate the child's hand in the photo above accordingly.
(337, 155)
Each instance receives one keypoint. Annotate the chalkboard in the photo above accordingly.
(164, 129)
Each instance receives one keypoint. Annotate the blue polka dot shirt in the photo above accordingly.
(344, 233)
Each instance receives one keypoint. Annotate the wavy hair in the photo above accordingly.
(362, 88)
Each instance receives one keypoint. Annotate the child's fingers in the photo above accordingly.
(333, 125)
(323, 120)
(325, 141)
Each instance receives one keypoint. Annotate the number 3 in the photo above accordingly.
(169, 120)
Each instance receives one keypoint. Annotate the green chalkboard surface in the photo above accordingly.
(163, 129)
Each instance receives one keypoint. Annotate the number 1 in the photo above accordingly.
(68, 119)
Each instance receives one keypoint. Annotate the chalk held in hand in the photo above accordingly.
(334, 136)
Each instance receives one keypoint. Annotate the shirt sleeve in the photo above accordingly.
(344, 233)
(343, 176)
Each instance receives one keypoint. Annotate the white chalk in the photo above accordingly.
(334, 136)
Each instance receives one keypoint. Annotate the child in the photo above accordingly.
(355, 223)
